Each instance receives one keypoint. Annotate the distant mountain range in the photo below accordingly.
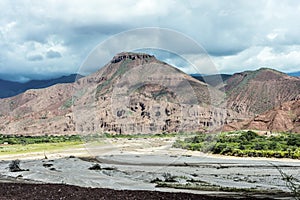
(213, 80)
(297, 74)
(10, 88)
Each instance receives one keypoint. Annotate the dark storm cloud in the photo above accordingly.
(53, 54)
(35, 58)
(238, 35)
(225, 52)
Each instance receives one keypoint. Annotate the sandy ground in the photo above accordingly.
(134, 164)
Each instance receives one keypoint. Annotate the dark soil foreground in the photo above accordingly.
(57, 191)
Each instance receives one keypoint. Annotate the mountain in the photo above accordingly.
(296, 74)
(141, 94)
(215, 80)
(285, 117)
(10, 88)
(38, 111)
(254, 92)
(133, 93)
(136, 93)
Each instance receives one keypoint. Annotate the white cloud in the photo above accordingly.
(287, 59)
(239, 35)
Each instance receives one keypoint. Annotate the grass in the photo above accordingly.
(31, 148)
(24, 140)
(246, 144)
(15, 144)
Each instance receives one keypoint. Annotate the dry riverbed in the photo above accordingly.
(152, 164)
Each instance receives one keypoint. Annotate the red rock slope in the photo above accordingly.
(285, 117)
(254, 92)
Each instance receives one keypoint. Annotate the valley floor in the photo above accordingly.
(152, 164)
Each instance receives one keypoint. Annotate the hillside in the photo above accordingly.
(284, 118)
(141, 94)
(37, 111)
(254, 92)
(136, 93)
(133, 93)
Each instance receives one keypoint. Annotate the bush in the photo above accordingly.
(241, 143)
(218, 148)
(15, 139)
(169, 178)
(14, 166)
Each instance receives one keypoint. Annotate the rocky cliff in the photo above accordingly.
(133, 93)
(136, 93)
(285, 117)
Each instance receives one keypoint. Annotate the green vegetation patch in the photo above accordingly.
(14, 144)
(68, 103)
(245, 143)
(30, 148)
(24, 140)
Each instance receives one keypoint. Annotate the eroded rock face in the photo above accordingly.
(134, 93)
(144, 115)
(140, 94)
(285, 117)
(131, 56)
(38, 111)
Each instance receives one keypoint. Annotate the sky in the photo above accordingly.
(49, 38)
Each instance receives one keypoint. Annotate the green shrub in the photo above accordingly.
(18, 139)
(245, 143)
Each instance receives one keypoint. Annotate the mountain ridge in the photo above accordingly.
(136, 93)
(11, 88)
(296, 74)
(254, 92)
(151, 94)
(133, 93)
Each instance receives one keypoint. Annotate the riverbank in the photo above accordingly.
(151, 164)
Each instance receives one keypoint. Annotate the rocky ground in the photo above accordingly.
(57, 191)
(140, 165)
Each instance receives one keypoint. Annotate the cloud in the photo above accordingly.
(285, 59)
(238, 35)
(164, 43)
(36, 57)
(53, 54)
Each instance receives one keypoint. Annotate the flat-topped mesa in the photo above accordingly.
(132, 56)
